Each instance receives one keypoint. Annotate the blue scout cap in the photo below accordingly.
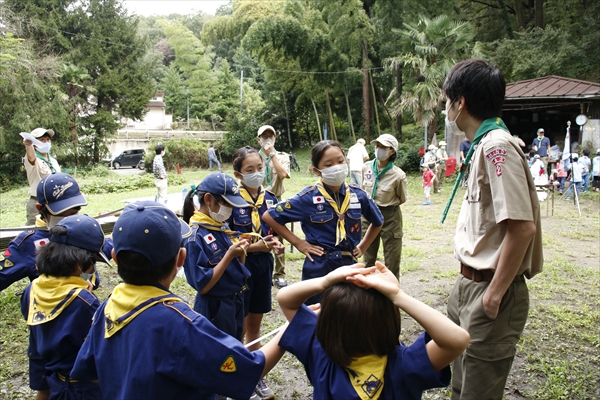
(83, 232)
(223, 185)
(59, 192)
(151, 229)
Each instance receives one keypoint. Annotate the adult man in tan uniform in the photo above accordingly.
(440, 175)
(277, 168)
(498, 237)
(390, 192)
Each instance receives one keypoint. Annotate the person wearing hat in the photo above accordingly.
(59, 305)
(541, 145)
(596, 172)
(215, 262)
(357, 155)
(386, 185)
(58, 196)
(277, 168)
(38, 164)
(145, 342)
(430, 158)
(442, 158)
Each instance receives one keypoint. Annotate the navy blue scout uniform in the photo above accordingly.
(319, 223)
(260, 264)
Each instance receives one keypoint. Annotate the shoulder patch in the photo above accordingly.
(270, 192)
(357, 188)
(228, 365)
(496, 156)
(307, 189)
(8, 263)
(19, 240)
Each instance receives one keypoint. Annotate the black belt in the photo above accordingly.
(337, 254)
(479, 275)
(388, 208)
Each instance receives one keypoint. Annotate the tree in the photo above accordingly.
(436, 45)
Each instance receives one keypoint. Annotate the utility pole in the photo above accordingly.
(241, 88)
(187, 96)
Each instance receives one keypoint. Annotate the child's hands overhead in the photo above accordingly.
(382, 280)
(342, 273)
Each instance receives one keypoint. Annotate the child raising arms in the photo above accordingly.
(351, 349)
(329, 213)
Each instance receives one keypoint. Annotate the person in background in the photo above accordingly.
(212, 158)
(38, 164)
(357, 155)
(59, 305)
(576, 178)
(561, 175)
(277, 169)
(498, 240)
(442, 158)
(541, 145)
(428, 179)
(587, 163)
(465, 145)
(430, 158)
(160, 174)
(596, 171)
(386, 185)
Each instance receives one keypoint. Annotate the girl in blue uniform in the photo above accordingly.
(214, 265)
(248, 168)
(351, 350)
(329, 213)
(59, 305)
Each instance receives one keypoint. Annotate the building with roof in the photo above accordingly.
(155, 118)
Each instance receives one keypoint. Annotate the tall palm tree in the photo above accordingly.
(435, 46)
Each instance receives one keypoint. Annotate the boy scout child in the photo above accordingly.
(146, 342)
(498, 239)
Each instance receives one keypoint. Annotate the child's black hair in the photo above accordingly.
(318, 149)
(135, 268)
(188, 203)
(59, 259)
(240, 155)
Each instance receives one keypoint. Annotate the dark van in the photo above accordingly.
(127, 158)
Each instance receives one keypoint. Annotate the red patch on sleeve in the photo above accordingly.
(7, 253)
(497, 157)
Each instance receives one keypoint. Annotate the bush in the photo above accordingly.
(125, 184)
(188, 153)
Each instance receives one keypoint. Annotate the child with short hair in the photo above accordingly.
(216, 255)
(351, 349)
(146, 342)
(59, 305)
(428, 178)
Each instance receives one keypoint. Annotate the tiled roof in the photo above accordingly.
(552, 86)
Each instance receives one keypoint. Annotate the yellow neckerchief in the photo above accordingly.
(366, 375)
(207, 222)
(39, 222)
(340, 230)
(50, 295)
(256, 205)
(128, 301)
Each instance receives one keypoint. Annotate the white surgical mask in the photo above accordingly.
(335, 175)
(265, 141)
(381, 154)
(451, 125)
(44, 147)
(253, 180)
(222, 215)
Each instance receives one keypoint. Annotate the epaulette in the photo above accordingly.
(306, 190)
(355, 186)
(24, 236)
(268, 191)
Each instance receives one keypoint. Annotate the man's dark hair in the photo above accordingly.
(159, 149)
(136, 269)
(481, 84)
(586, 152)
(356, 322)
(59, 259)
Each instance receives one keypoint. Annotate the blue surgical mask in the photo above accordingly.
(87, 277)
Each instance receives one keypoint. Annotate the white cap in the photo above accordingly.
(386, 140)
(264, 128)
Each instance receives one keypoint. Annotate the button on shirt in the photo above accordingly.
(500, 187)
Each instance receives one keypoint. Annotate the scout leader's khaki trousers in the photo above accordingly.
(391, 236)
(481, 371)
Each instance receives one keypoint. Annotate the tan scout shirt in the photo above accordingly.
(391, 188)
(277, 186)
(36, 172)
(499, 188)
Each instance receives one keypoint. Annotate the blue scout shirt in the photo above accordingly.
(167, 352)
(407, 374)
(18, 260)
(319, 221)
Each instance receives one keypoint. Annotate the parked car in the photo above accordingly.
(127, 158)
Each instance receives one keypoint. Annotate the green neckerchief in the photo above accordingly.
(385, 169)
(268, 183)
(46, 160)
(487, 125)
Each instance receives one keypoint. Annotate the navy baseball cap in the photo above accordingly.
(151, 229)
(59, 192)
(223, 185)
(83, 232)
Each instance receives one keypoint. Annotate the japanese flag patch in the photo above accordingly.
(497, 157)
(40, 243)
(209, 238)
(318, 199)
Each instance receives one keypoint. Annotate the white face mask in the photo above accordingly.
(451, 125)
(335, 175)
(222, 215)
(44, 148)
(381, 154)
(265, 141)
(253, 180)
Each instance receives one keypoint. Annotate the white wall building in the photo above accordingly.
(155, 118)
